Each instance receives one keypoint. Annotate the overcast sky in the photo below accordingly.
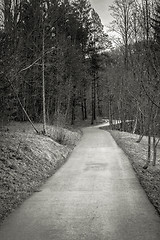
(101, 7)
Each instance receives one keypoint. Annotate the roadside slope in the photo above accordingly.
(94, 196)
(137, 153)
(28, 159)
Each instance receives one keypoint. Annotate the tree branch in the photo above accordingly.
(147, 94)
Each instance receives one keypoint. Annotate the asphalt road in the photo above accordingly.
(94, 196)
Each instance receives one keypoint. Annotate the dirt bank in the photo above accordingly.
(137, 153)
(28, 159)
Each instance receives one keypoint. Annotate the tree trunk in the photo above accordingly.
(149, 135)
(110, 113)
(85, 108)
(154, 151)
(149, 148)
(93, 98)
(154, 137)
(136, 122)
(73, 112)
(43, 85)
(73, 106)
(82, 109)
(149, 151)
(99, 100)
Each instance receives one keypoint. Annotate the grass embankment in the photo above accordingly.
(137, 154)
(28, 159)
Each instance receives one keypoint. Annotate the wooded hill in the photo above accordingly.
(54, 64)
(47, 58)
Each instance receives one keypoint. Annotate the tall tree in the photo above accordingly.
(156, 22)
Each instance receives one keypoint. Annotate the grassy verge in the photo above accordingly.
(28, 159)
(137, 152)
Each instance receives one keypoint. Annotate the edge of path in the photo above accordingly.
(136, 153)
(27, 160)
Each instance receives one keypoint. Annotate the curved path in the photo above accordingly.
(94, 196)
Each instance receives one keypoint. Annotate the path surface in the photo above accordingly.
(94, 196)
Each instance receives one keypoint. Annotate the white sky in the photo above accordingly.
(101, 7)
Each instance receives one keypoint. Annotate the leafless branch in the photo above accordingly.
(148, 95)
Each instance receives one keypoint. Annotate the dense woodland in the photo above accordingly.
(58, 64)
(49, 53)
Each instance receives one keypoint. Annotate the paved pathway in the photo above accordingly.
(94, 196)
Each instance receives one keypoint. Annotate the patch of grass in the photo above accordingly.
(137, 154)
(64, 136)
(60, 136)
(27, 159)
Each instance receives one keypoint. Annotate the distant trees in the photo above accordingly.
(156, 22)
(98, 43)
(44, 51)
(136, 63)
(54, 66)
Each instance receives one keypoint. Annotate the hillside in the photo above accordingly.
(137, 153)
(28, 159)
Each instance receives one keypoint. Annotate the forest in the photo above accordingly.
(58, 64)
